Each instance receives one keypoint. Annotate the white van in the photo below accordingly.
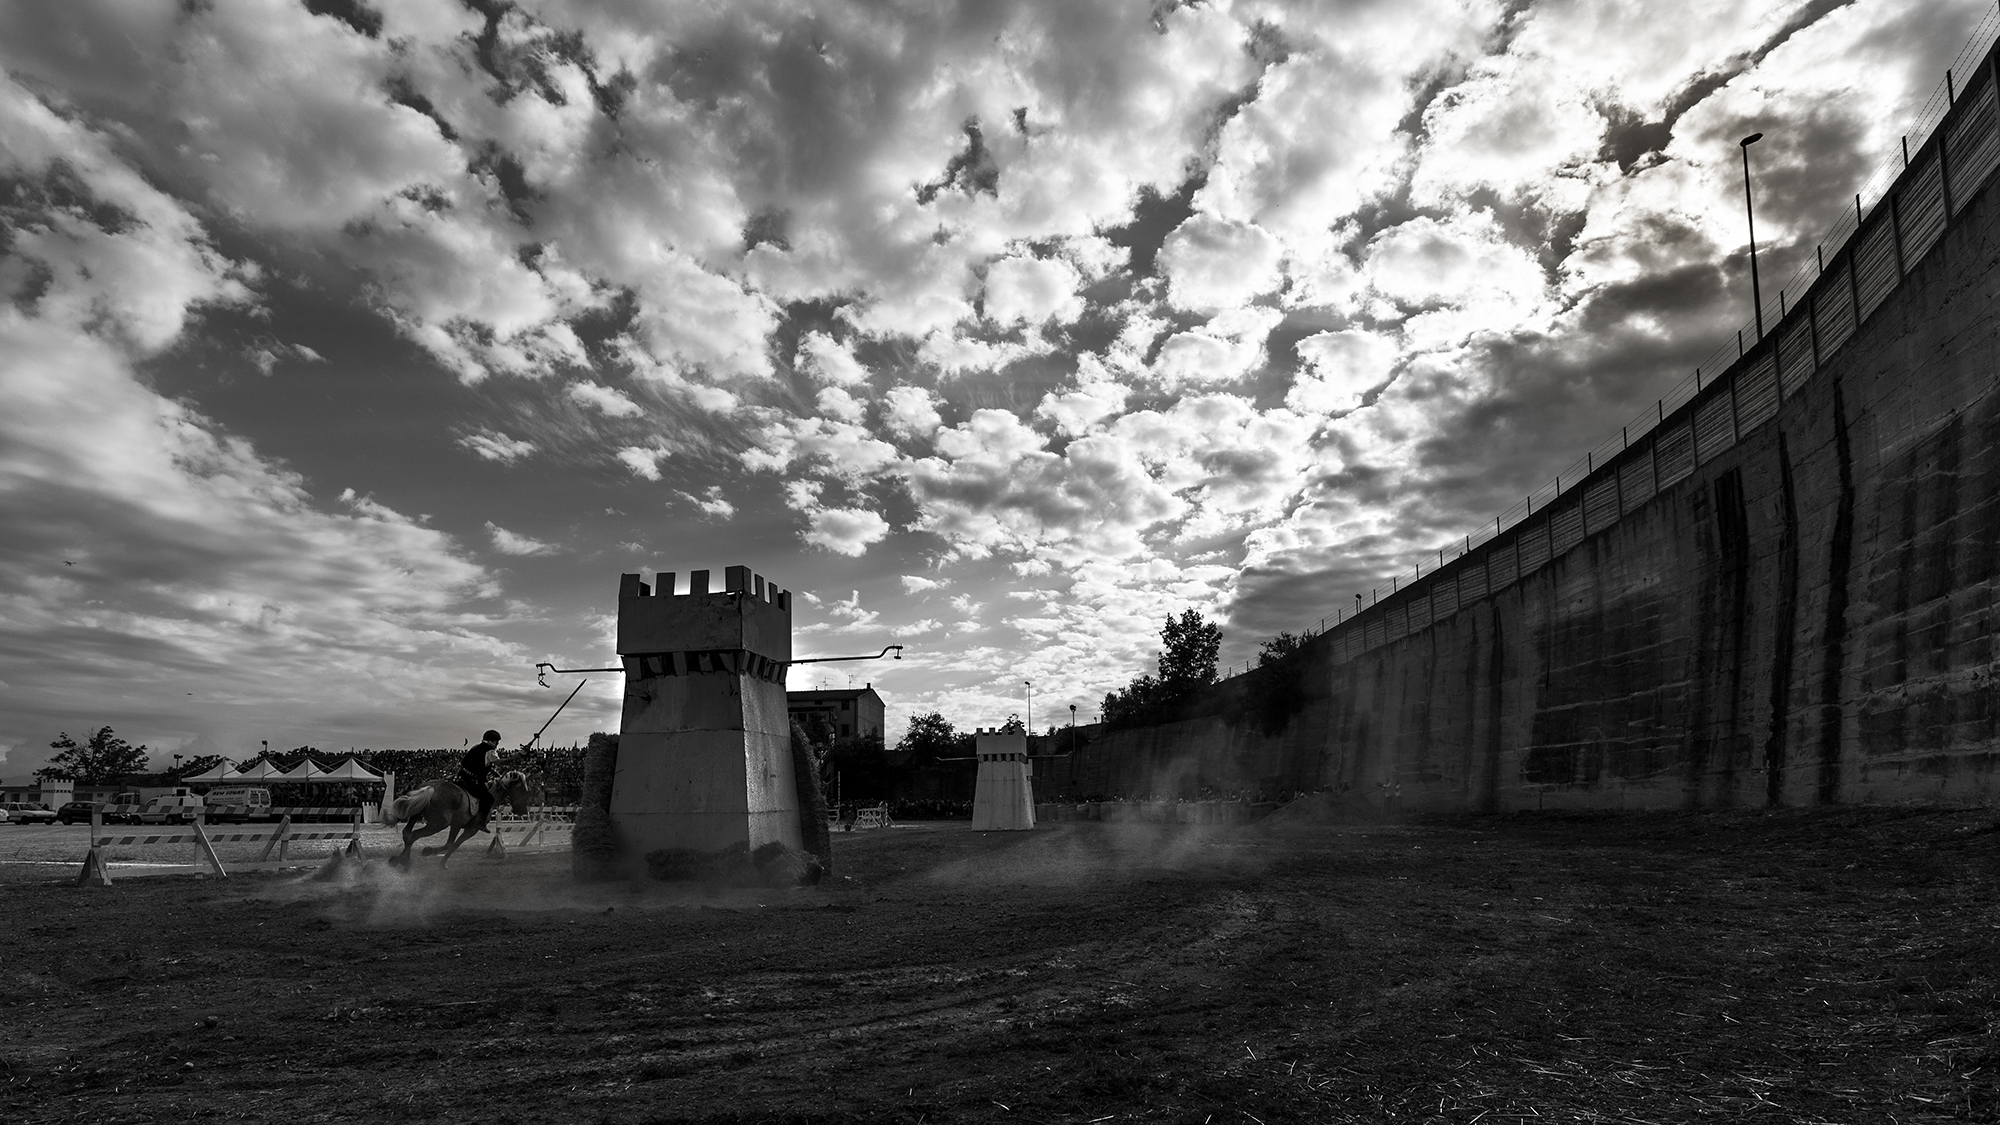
(179, 807)
(237, 803)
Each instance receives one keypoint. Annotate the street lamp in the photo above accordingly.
(1030, 685)
(1750, 217)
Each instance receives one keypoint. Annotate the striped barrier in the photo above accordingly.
(204, 861)
(537, 830)
(338, 813)
(536, 827)
(876, 817)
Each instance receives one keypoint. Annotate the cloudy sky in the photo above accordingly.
(349, 353)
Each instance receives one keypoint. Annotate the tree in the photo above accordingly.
(817, 726)
(1188, 647)
(100, 758)
(194, 766)
(1013, 725)
(930, 737)
(1279, 647)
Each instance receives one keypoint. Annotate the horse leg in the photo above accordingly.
(409, 841)
(459, 835)
(411, 835)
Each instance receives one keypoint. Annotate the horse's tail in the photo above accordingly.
(406, 806)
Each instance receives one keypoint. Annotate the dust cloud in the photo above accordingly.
(374, 893)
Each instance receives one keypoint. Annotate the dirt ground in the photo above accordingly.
(1831, 966)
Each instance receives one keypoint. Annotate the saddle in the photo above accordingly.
(481, 805)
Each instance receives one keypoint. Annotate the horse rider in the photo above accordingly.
(475, 771)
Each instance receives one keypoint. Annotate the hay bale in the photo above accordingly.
(593, 847)
(780, 865)
(812, 802)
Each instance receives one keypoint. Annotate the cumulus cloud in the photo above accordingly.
(910, 412)
(846, 531)
(1115, 298)
(851, 610)
(608, 401)
(492, 445)
(836, 403)
(267, 354)
(509, 543)
(1213, 263)
(712, 503)
(1224, 350)
(1025, 290)
(829, 361)
(642, 461)
(243, 580)
(1336, 368)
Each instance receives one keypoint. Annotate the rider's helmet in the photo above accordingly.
(492, 736)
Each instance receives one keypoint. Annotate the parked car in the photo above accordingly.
(22, 812)
(77, 811)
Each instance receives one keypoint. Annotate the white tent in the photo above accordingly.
(350, 770)
(260, 770)
(209, 777)
(304, 771)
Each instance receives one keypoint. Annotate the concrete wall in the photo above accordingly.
(1784, 596)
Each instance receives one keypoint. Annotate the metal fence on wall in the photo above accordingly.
(1897, 219)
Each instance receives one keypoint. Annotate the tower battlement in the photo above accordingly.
(749, 614)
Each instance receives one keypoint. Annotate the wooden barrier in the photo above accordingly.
(536, 824)
(204, 861)
(536, 828)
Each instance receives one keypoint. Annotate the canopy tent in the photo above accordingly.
(259, 770)
(304, 771)
(350, 770)
(210, 777)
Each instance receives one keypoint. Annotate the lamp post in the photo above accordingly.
(1750, 217)
(1030, 685)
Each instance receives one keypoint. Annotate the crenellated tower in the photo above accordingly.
(704, 748)
(1003, 795)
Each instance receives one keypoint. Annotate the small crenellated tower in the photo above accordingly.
(704, 747)
(1003, 796)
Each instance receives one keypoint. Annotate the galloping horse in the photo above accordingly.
(441, 805)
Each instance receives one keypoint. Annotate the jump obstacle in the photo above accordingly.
(537, 826)
(97, 866)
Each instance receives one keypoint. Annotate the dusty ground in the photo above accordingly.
(1799, 967)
